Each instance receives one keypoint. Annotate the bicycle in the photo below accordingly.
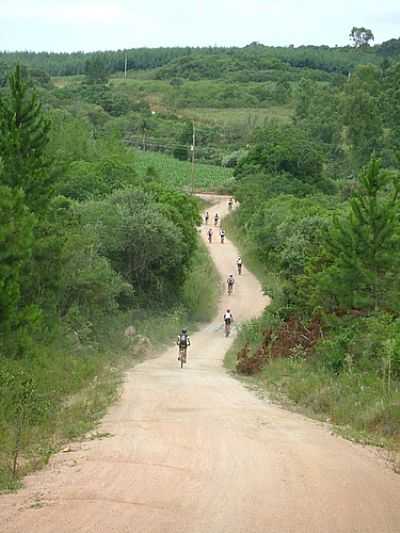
(230, 288)
(239, 267)
(182, 355)
(227, 328)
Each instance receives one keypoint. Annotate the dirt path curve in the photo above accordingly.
(193, 451)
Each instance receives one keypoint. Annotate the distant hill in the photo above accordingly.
(213, 62)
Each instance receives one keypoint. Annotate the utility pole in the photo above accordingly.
(193, 154)
(144, 134)
(126, 65)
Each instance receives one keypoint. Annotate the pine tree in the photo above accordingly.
(96, 69)
(15, 250)
(365, 244)
(24, 135)
(26, 175)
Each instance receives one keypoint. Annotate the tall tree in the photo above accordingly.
(24, 135)
(362, 115)
(391, 104)
(16, 241)
(96, 69)
(365, 246)
(361, 37)
(27, 171)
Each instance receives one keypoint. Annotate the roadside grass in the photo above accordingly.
(202, 287)
(77, 382)
(355, 402)
(179, 173)
(72, 386)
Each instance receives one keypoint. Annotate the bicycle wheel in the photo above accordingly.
(182, 356)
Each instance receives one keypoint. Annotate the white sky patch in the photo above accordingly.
(65, 12)
(67, 25)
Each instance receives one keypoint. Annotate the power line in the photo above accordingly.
(152, 141)
(139, 143)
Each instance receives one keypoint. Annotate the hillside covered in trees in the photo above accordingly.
(204, 62)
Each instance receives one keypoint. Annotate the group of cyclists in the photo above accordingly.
(183, 340)
(216, 216)
(210, 230)
(221, 235)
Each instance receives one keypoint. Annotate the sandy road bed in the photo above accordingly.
(193, 451)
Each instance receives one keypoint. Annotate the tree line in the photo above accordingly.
(323, 58)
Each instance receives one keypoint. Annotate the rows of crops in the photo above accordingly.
(179, 173)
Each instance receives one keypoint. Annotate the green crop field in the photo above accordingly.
(227, 117)
(179, 173)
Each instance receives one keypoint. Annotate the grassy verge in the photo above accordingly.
(202, 287)
(62, 391)
(353, 401)
(341, 382)
(56, 395)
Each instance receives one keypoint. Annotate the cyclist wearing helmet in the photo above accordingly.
(239, 264)
(230, 282)
(228, 319)
(183, 342)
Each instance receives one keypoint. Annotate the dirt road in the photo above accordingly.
(193, 451)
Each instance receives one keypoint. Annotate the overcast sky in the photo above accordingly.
(67, 25)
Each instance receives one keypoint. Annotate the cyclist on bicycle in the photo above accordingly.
(222, 235)
(209, 234)
(239, 264)
(183, 342)
(230, 283)
(228, 319)
(216, 218)
(206, 217)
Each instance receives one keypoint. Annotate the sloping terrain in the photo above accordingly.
(192, 450)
